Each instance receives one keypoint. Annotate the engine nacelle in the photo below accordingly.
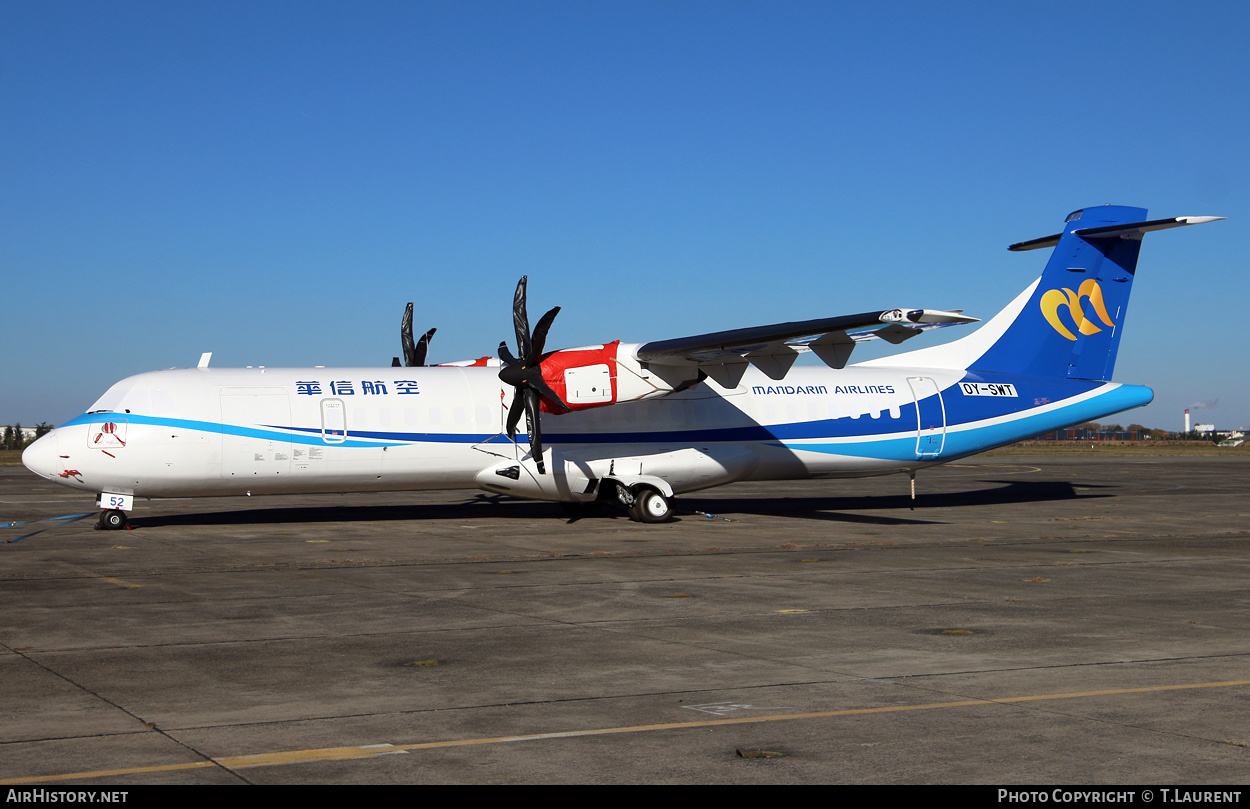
(597, 376)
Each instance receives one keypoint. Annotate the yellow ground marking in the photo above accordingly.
(94, 575)
(372, 751)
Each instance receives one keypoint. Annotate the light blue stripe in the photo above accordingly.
(225, 429)
(979, 439)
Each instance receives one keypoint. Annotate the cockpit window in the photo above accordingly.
(112, 398)
(128, 397)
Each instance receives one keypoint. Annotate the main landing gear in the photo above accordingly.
(645, 504)
(112, 520)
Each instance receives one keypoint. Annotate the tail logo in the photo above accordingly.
(1056, 299)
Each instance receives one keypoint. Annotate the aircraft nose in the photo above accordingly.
(43, 456)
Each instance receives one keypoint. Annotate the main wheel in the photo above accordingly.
(113, 520)
(650, 506)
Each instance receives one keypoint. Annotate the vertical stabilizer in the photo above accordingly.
(1072, 323)
(1068, 323)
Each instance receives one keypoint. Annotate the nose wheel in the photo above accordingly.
(112, 520)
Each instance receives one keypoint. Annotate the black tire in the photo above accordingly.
(113, 520)
(650, 506)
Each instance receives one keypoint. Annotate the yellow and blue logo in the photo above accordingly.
(1056, 299)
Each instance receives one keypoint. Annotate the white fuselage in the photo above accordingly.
(207, 431)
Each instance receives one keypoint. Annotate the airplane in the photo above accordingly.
(631, 423)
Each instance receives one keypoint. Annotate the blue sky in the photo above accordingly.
(273, 181)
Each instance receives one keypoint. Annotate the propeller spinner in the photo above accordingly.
(525, 374)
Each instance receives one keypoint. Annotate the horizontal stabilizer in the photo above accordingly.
(1132, 230)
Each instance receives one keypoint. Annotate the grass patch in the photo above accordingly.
(1129, 449)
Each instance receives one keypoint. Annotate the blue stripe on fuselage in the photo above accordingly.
(882, 436)
(967, 438)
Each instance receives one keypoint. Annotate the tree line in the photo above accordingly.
(15, 438)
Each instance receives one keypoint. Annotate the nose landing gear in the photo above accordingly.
(115, 506)
(112, 520)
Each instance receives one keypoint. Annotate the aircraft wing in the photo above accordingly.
(773, 349)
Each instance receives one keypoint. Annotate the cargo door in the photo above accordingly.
(250, 446)
(930, 416)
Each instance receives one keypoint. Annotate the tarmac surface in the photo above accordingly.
(1030, 621)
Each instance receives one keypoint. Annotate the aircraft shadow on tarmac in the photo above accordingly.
(834, 509)
(1006, 492)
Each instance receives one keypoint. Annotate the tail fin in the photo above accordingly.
(1071, 323)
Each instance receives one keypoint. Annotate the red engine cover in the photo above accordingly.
(557, 362)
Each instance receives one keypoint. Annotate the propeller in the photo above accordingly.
(526, 375)
(414, 353)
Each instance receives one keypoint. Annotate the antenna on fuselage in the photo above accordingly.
(204, 358)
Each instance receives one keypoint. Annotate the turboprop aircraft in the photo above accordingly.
(635, 423)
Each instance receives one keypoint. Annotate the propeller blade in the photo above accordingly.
(520, 321)
(514, 413)
(405, 337)
(535, 430)
(540, 331)
(423, 347)
(525, 374)
(540, 385)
